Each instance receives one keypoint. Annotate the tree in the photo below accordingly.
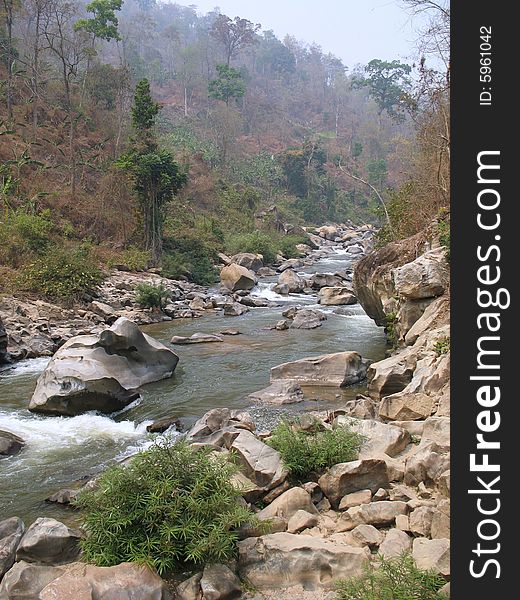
(9, 7)
(234, 35)
(228, 85)
(155, 174)
(388, 85)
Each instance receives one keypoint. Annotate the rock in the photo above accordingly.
(367, 535)
(432, 554)
(380, 438)
(250, 261)
(11, 532)
(427, 464)
(126, 581)
(234, 277)
(254, 302)
(105, 311)
(435, 314)
(406, 407)
(279, 392)
(308, 318)
(198, 303)
(224, 258)
(25, 581)
(230, 332)
(282, 289)
(291, 312)
(355, 499)
(101, 372)
(336, 296)
(3, 344)
(381, 494)
(234, 309)
(190, 588)
(288, 504)
(260, 463)
(266, 272)
(10, 443)
(291, 263)
(420, 520)
(294, 282)
(437, 429)
(349, 477)
(312, 488)
(281, 560)
(64, 496)
(396, 543)
(328, 232)
(301, 520)
(362, 407)
(282, 325)
(391, 375)
(425, 277)
(445, 590)
(218, 582)
(338, 369)
(196, 338)
(327, 280)
(49, 542)
(379, 514)
(402, 522)
(162, 425)
(440, 525)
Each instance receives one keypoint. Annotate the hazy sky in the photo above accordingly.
(355, 30)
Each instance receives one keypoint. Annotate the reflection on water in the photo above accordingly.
(61, 450)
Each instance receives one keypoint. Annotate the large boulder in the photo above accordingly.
(392, 374)
(378, 514)
(25, 581)
(3, 343)
(427, 464)
(345, 478)
(234, 278)
(406, 407)
(279, 392)
(336, 296)
(49, 542)
(288, 504)
(294, 282)
(432, 554)
(379, 437)
(326, 280)
(307, 318)
(218, 582)
(10, 443)
(337, 370)
(281, 560)
(395, 544)
(101, 372)
(11, 532)
(425, 277)
(250, 261)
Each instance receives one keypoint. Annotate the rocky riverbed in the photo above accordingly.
(395, 497)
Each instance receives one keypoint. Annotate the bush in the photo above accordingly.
(256, 243)
(443, 228)
(173, 266)
(442, 346)
(307, 453)
(170, 506)
(287, 245)
(148, 295)
(394, 579)
(189, 255)
(24, 234)
(136, 259)
(62, 274)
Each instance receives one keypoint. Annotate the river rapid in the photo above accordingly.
(60, 451)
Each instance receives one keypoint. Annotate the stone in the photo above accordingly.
(327, 280)
(162, 425)
(425, 277)
(290, 502)
(101, 371)
(218, 582)
(235, 309)
(391, 375)
(126, 581)
(254, 301)
(291, 263)
(224, 258)
(198, 303)
(427, 464)
(301, 520)
(49, 542)
(434, 315)
(281, 560)
(282, 325)
(440, 525)
(312, 488)
(3, 343)
(379, 514)
(260, 463)
(64, 496)
(380, 438)
(190, 588)
(367, 535)
(437, 429)
(10, 444)
(337, 370)
(336, 296)
(396, 543)
(445, 590)
(279, 392)
(406, 407)
(25, 581)
(276, 492)
(443, 483)
(235, 277)
(381, 494)
(105, 311)
(266, 272)
(420, 521)
(250, 261)
(308, 318)
(432, 554)
(402, 522)
(355, 499)
(219, 419)
(231, 332)
(11, 532)
(349, 477)
(291, 279)
(196, 338)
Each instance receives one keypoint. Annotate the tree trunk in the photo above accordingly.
(8, 4)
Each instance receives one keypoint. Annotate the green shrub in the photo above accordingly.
(394, 579)
(191, 256)
(307, 453)
(170, 506)
(256, 243)
(442, 346)
(149, 295)
(443, 228)
(24, 234)
(62, 274)
(136, 259)
(287, 245)
(391, 333)
(173, 266)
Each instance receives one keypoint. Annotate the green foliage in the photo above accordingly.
(394, 579)
(442, 346)
(287, 245)
(307, 453)
(443, 228)
(135, 259)
(24, 234)
(62, 274)
(388, 84)
(103, 24)
(391, 333)
(190, 255)
(256, 242)
(401, 213)
(149, 295)
(228, 85)
(172, 505)
(144, 109)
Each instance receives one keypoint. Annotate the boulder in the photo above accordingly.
(250, 261)
(440, 525)
(49, 542)
(427, 464)
(281, 560)
(355, 499)
(425, 277)
(392, 374)
(254, 301)
(432, 554)
(379, 437)
(279, 392)
(105, 311)
(291, 263)
(367, 535)
(378, 514)
(25, 581)
(218, 582)
(196, 338)
(406, 407)
(337, 370)
(189, 589)
(10, 443)
(349, 477)
(301, 520)
(336, 296)
(101, 371)
(396, 543)
(162, 425)
(234, 309)
(11, 532)
(294, 282)
(3, 344)
(435, 314)
(328, 232)
(234, 277)
(326, 280)
(420, 520)
(308, 318)
(288, 504)
(260, 463)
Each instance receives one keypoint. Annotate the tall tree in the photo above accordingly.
(388, 84)
(8, 9)
(234, 35)
(228, 85)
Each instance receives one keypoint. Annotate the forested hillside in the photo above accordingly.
(144, 134)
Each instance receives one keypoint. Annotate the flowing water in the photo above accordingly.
(63, 450)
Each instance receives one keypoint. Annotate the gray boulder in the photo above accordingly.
(307, 318)
(11, 532)
(336, 296)
(10, 443)
(294, 282)
(279, 392)
(49, 542)
(25, 581)
(235, 277)
(196, 338)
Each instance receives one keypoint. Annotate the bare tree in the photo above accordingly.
(9, 7)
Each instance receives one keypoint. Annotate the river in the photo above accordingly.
(63, 450)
